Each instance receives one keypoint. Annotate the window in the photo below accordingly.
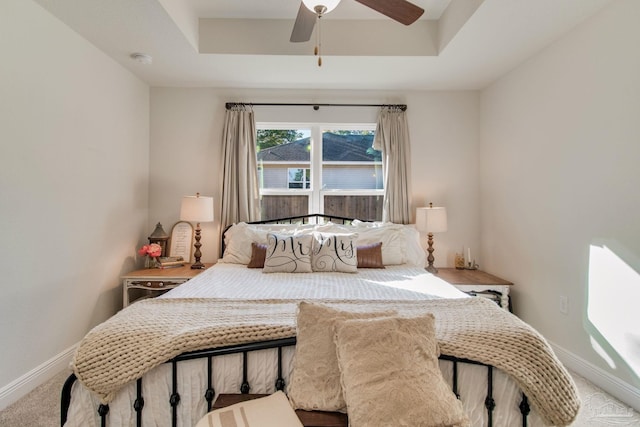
(300, 178)
(329, 169)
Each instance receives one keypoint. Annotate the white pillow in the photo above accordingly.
(394, 244)
(288, 254)
(240, 236)
(330, 227)
(237, 242)
(334, 252)
(391, 235)
(415, 253)
(282, 228)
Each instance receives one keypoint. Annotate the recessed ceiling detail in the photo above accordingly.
(339, 37)
(456, 45)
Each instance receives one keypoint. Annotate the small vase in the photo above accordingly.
(149, 262)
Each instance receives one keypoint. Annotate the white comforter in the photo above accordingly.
(236, 281)
(231, 281)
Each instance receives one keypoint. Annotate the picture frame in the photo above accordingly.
(181, 240)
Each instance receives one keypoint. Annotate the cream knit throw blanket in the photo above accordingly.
(153, 331)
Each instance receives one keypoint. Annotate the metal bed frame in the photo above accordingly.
(246, 349)
(209, 394)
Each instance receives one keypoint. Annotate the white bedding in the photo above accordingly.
(232, 281)
(236, 281)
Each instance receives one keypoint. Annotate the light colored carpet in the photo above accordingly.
(600, 409)
(41, 407)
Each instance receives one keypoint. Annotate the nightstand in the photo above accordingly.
(151, 282)
(477, 282)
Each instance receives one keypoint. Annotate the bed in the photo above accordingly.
(232, 329)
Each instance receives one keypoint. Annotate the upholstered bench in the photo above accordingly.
(308, 418)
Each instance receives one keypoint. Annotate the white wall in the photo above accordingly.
(186, 130)
(560, 145)
(90, 162)
(74, 187)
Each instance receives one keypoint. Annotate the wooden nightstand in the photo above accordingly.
(477, 282)
(151, 282)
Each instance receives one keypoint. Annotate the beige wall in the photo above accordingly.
(73, 181)
(539, 167)
(560, 145)
(186, 129)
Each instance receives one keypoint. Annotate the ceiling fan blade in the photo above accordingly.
(303, 27)
(399, 10)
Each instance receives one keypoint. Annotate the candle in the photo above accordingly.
(469, 255)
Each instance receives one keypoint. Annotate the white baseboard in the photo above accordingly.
(619, 389)
(32, 379)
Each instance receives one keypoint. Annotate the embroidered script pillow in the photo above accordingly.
(288, 254)
(334, 252)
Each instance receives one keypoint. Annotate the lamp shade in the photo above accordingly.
(196, 208)
(329, 4)
(431, 219)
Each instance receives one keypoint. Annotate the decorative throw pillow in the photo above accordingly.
(288, 254)
(268, 411)
(390, 374)
(334, 252)
(392, 236)
(315, 379)
(370, 256)
(258, 254)
(238, 238)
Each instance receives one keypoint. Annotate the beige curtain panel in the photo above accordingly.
(392, 138)
(240, 193)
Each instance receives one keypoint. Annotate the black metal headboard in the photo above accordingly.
(301, 219)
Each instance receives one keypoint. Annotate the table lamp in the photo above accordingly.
(197, 209)
(431, 220)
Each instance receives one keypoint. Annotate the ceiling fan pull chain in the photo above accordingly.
(316, 48)
(319, 41)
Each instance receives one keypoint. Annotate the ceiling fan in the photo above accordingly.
(311, 11)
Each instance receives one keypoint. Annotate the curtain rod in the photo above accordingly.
(230, 105)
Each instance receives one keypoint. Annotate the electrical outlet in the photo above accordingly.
(564, 304)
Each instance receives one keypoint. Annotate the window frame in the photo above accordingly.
(315, 194)
(304, 182)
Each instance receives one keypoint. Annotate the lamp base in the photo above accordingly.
(430, 268)
(197, 254)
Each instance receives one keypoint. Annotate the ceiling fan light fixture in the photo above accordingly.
(325, 5)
